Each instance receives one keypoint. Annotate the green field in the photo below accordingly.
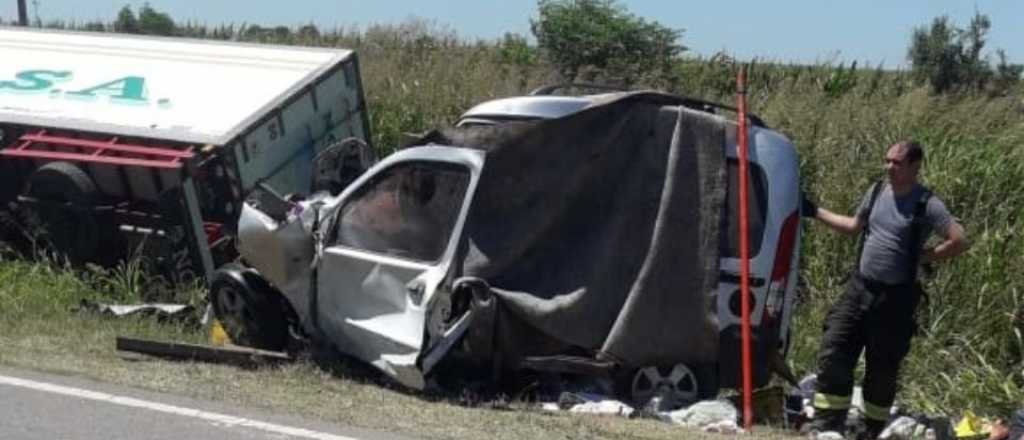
(417, 77)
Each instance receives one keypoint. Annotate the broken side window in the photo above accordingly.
(407, 211)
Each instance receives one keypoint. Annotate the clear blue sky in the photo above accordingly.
(876, 31)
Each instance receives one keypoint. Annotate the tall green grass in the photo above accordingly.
(967, 355)
(418, 76)
(45, 324)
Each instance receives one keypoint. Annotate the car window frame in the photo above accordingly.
(375, 180)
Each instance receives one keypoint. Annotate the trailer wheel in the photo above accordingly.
(251, 316)
(66, 195)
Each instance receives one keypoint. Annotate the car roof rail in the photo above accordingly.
(691, 103)
(550, 89)
(711, 107)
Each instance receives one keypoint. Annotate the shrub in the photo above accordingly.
(153, 22)
(126, 22)
(603, 36)
(950, 59)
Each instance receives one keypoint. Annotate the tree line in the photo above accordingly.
(600, 40)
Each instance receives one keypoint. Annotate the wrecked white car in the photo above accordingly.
(591, 242)
(364, 269)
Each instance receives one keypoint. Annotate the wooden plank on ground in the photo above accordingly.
(235, 355)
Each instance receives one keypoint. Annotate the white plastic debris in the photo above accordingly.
(658, 405)
(807, 386)
(727, 427)
(808, 409)
(703, 414)
(805, 390)
(162, 310)
(607, 407)
(828, 435)
(550, 406)
(905, 428)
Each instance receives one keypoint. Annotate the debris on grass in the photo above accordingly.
(162, 311)
(709, 416)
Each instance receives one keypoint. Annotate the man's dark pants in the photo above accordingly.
(878, 319)
(1016, 426)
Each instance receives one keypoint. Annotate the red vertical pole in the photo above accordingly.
(741, 147)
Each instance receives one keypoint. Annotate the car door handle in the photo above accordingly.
(734, 278)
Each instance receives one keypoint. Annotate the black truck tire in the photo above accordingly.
(67, 195)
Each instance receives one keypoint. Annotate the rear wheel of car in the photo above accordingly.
(251, 316)
(677, 385)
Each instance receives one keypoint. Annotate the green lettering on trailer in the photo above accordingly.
(127, 90)
(34, 81)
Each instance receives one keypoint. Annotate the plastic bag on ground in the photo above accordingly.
(607, 407)
(704, 414)
(588, 403)
(903, 428)
(918, 427)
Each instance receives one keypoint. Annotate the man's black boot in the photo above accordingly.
(872, 429)
(826, 420)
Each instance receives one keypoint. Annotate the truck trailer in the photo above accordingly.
(113, 144)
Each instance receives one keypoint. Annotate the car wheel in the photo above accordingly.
(251, 316)
(677, 385)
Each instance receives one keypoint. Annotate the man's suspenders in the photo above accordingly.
(916, 227)
(864, 229)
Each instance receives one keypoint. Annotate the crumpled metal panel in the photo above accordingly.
(282, 252)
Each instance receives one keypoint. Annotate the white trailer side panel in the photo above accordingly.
(184, 90)
(280, 149)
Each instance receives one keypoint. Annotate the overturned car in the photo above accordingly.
(597, 238)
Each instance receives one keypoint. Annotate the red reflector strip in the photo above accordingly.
(76, 157)
(107, 146)
(784, 250)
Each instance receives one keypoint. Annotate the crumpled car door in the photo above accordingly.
(385, 256)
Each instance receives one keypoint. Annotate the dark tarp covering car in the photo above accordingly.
(594, 235)
(598, 231)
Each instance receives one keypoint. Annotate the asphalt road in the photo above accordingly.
(35, 406)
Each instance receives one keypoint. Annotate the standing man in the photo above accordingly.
(876, 312)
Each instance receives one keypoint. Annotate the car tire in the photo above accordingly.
(67, 194)
(685, 384)
(251, 315)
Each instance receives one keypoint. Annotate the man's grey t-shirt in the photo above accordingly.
(886, 255)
